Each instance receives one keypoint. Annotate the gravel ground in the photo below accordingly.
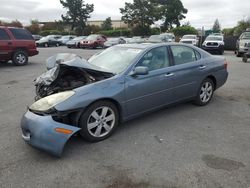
(177, 147)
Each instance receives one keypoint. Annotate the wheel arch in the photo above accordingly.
(115, 102)
(212, 77)
(19, 49)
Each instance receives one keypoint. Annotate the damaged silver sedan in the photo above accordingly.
(92, 97)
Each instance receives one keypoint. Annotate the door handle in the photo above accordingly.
(202, 67)
(9, 43)
(169, 75)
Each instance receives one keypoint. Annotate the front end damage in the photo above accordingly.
(66, 72)
(48, 129)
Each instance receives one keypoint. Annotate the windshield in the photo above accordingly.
(246, 35)
(215, 38)
(91, 37)
(78, 38)
(115, 59)
(65, 37)
(188, 37)
(44, 38)
(113, 39)
(155, 37)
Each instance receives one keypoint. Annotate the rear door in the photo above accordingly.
(23, 38)
(188, 72)
(5, 45)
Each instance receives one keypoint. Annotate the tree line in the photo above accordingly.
(140, 15)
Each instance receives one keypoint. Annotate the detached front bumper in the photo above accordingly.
(42, 133)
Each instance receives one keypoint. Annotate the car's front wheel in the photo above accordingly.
(99, 121)
(205, 92)
(20, 57)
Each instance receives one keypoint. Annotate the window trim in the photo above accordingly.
(173, 59)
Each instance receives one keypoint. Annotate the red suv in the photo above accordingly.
(16, 44)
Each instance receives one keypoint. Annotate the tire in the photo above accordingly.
(221, 52)
(46, 45)
(238, 54)
(57, 44)
(95, 126)
(20, 57)
(244, 59)
(205, 93)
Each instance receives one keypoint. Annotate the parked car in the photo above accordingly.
(243, 43)
(75, 43)
(93, 41)
(120, 83)
(16, 44)
(190, 39)
(159, 38)
(50, 40)
(114, 41)
(136, 39)
(214, 43)
(36, 37)
(66, 38)
(171, 36)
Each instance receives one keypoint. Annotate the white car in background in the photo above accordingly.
(190, 39)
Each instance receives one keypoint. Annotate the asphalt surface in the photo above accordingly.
(177, 147)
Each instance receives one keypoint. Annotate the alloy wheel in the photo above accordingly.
(21, 59)
(101, 121)
(206, 92)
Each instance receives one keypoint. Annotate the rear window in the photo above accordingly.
(21, 34)
(4, 35)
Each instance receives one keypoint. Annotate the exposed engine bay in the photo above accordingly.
(66, 72)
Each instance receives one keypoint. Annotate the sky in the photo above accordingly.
(200, 12)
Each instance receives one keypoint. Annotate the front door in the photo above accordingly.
(147, 92)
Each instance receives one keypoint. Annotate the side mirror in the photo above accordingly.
(139, 71)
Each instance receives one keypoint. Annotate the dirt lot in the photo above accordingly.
(181, 146)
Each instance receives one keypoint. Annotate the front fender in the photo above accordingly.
(40, 132)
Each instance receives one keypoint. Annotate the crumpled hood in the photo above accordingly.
(72, 60)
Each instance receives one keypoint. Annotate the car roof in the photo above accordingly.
(150, 45)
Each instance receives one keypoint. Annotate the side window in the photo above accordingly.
(21, 34)
(183, 54)
(155, 59)
(4, 35)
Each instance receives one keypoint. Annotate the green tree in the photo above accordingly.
(77, 14)
(91, 29)
(34, 27)
(216, 28)
(107, 24)
(140, 13)
(171, 12)
(14, 23)
(241, 26)
(184, 30)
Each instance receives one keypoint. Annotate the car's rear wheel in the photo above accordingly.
(57, 44)
(99, 121)
(20, 57)
(46, 45)
(205, 92)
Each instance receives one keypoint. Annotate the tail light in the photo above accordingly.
(225, 64)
